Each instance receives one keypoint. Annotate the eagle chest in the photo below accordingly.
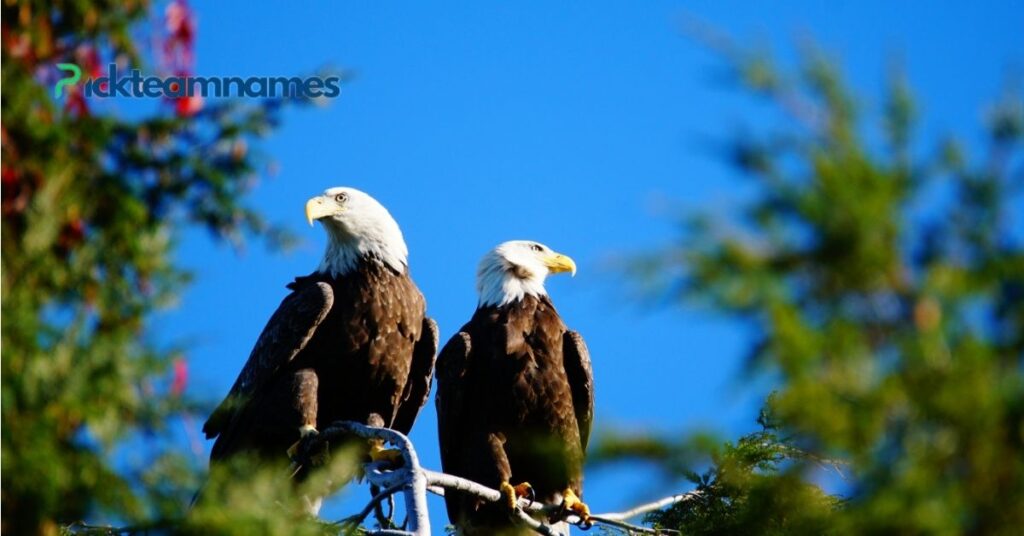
(367, 339)
(531, 374)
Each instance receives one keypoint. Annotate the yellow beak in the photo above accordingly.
(558, 263)
(316, 208)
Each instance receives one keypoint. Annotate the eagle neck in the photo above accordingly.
(344, 253)
(499, 286)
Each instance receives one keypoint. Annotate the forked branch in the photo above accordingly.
(413, 482)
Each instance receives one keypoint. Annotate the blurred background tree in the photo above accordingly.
(884, 283)
(92, 203)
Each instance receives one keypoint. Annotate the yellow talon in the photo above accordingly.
(380, 454)
(511, 493)
(573, 504)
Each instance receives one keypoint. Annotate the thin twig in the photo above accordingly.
(80, 527)
(537, 526)
(446, 481)
(436, 490)
(384, 521)
(628, 527)
(650, 507)
(438, 482)
(358, 519)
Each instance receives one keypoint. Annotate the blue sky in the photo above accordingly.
(567, 124)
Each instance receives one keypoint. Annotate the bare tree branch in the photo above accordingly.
(411, 479)
(356, 520)
(649, 507)
(413, 482)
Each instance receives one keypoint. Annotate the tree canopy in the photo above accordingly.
(883, 278)
(92, 203)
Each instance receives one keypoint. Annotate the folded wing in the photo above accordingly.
(285, 335)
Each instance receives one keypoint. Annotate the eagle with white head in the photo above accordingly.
(515, 394)
(350, 342)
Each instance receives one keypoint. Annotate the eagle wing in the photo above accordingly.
(451, 367)
(285, 335)
(421, 374)
(581, 381)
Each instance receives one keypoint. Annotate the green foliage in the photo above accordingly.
(744, 493)
(885, 287)
(751, 486)
(91, 203)
(236, 500)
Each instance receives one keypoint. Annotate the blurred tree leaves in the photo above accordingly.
(884, 280)
(91, 205)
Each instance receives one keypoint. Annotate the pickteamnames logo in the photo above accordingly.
(134, 84)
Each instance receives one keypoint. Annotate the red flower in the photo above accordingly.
(178, 49)
(88, 59)
(188, 106)
(181, 36)
(180, 379)
(10, 177)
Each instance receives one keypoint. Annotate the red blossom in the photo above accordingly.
(180, 24)
(88, 58)
(188, 106)
(10, 177)
(178, 52)
(180, 378)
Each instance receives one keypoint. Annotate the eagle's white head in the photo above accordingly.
(517, 268)
(358, 227)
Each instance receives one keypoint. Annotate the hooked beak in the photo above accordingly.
(558, 263)
(317, 208)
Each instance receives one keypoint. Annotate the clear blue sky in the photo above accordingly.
(567, 124)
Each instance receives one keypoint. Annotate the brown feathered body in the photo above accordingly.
(356, 347)
(515, 404)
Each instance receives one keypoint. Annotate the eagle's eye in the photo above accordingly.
(537, 247)
(341, 198)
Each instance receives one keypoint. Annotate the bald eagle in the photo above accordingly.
(515, 393)
(350, 342)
